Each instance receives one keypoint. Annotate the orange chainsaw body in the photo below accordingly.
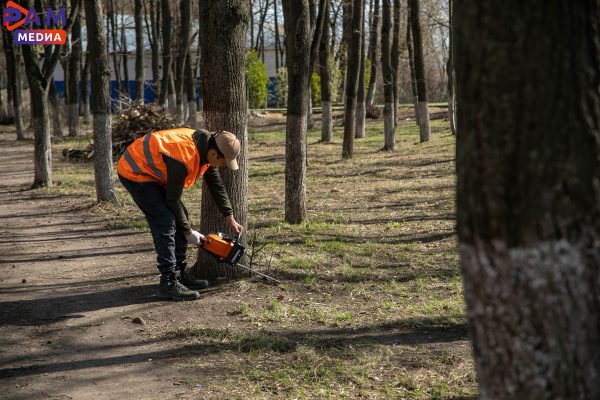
(217, 245)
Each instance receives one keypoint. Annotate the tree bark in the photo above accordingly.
(85, 95)
(326, 125)
(352, 80)
(185, 36)
(528, 199)
(419, 71)
(57, 130)
(396, 61)
(100, 77)
(13, 72)
(389, 127)
(373, 45)
(74, 68)
(223, 29)
(166, 64)
(190, 89)
(297, 32)
(411, 65)
(360, 96)
(450, 73)
(139, 52)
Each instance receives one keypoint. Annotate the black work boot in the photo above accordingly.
(171, 289)
(189, 281)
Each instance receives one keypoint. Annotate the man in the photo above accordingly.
(154, 169)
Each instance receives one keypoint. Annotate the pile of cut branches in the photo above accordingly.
(135, 121)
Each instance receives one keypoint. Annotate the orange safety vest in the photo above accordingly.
(143, 162)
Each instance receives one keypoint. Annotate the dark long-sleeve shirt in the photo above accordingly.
(176, 173)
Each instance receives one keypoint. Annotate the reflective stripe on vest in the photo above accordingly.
(143, 162)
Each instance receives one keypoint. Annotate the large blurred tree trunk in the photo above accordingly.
(373, 45)
(423, 111)
(139, 52)
(528, 160)
(74, 74)
(223, 27)
(100, 77)
(352, 79)
(297, 31)
(326, 125)
(389, 127)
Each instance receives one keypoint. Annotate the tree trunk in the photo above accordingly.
(41, 135)
(389, 127)
(419, 71)
(345, 43)
(113, 32)
(223, 29)
(190, 89)
(139, 52)
(297, 32)
(184, 45)
(74, 73)
(100, 77)
(57, 130)
(166, 64)
(396, 61)
(124, 59)
(13, 72)
(352, 79)
(326, 125)
(450, 73)
(373, 44)
(360, 96)
(276, 19)
(527, 195)
(85, 94)
(155, 24)
(411, 65)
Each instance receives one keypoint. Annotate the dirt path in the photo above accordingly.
(70, 288)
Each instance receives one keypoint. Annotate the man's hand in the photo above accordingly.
(235, 227)
(194, 237)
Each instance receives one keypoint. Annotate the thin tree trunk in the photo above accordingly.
(345, 43)
(352, 80)
(276, 19)
(85, 95)
(450, 73)
(41, 135)
(373, 45)
(54, 101)
(419, 71)
(124, 58)
(360, 96)
(389, 127)
(223, 27)
(100, 77)
(298, 43)
(184, 45)
(13, 72)
(166, 64)
(155, 24)
(527, 195)
(74, 69)
(139, 52)
(113, 32)
(411, 65)
(190, 89)
(396, 61)
(326, 125)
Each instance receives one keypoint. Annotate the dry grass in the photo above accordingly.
(372, 306)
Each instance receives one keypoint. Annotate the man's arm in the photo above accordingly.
(217, 191)
(176, 173)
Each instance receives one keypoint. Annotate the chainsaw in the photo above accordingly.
(227, 250)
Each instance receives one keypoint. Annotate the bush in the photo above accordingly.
(256, 80)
